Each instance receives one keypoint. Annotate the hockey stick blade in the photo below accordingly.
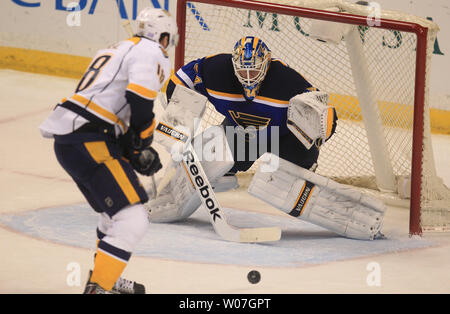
(127, 26)
(269, 234)
(215, 213)
(247, 235)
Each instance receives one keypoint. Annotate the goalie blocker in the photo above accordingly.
(319, 200)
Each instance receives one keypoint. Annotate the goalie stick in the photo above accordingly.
(215, 213)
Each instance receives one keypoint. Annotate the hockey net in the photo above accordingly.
(376, 74)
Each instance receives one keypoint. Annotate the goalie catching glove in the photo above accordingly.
(310, 118)
(319, 200)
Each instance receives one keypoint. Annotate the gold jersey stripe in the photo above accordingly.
(210, 91)
(207, 57)
(278, 60)
(142, 91)
(100, 153)
(99, 110)
(277, 101)
(176, 80)
(148, 131)
(135, 40)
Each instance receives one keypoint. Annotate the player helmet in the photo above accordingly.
(153, 23)
(251, 59)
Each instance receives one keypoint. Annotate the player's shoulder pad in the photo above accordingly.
(283, 82)
(218, 73)
(220, 63)
(147, 49)
(282, 69)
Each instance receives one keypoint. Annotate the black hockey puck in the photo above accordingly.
(254, 276)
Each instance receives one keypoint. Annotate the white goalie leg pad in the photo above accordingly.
(173, 201)
(179, 200)
(320, 200)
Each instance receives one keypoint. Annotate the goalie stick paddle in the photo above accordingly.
(215, 213)
(165, 180)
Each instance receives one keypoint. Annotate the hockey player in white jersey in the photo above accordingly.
(103, 134)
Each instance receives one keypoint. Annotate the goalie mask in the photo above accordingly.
(251, 59)
(155, 23)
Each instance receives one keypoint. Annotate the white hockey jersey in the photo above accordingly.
(138, 65)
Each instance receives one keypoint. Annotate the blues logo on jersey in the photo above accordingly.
(215, 78)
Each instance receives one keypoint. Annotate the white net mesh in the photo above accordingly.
(389, 59)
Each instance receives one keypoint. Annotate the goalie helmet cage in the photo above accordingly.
(376, 74)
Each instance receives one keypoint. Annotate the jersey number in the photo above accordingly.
(161, 75)
(92, 73)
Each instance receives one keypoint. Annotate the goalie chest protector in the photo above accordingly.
(214, 77)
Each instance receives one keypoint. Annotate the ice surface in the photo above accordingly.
(45, 226)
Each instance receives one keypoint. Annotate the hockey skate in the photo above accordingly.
(94, 288)
(122, 286)
(125, 286)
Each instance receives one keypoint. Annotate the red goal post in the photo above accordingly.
(309, 10)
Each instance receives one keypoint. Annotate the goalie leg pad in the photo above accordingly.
(319, 200)
(178, 200)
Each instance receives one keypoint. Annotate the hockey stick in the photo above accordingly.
(215, 213)
(126, 24)
(165, 180)
(154, 188)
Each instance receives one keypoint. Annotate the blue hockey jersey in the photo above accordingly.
(214, 78)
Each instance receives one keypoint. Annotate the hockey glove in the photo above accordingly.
(137, 140)
(146, 161)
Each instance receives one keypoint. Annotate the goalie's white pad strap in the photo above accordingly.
(181, 117)
(319, 200)
(310, 118)
(178, 200)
